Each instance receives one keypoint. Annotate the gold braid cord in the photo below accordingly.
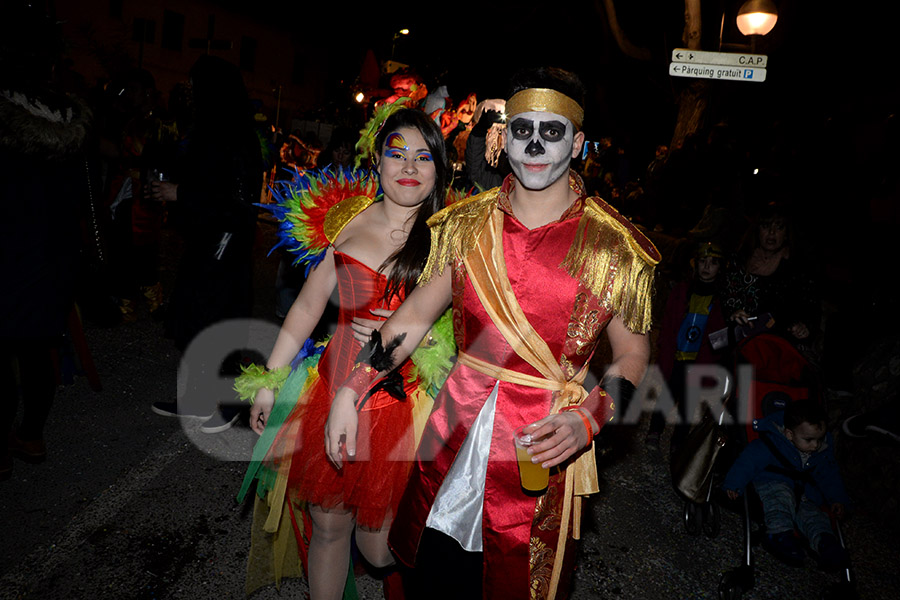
(613, 259)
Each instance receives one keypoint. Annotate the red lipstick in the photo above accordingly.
(408, 182)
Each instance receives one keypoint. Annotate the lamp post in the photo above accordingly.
(360, 98)
(396, 37)
(756, 18)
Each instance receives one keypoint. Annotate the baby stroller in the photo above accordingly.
(780, 375)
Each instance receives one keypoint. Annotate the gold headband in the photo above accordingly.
(545, 100)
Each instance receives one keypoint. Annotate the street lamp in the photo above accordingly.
(757, 17)
(396, 37)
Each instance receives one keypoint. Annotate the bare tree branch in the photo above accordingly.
(692, 26)
(622, 40)
(693, 99)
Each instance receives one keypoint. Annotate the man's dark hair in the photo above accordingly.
(552, 78)
(804, 411)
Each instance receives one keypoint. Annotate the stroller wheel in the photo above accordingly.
(729, 588)
(693, 518)
(711, 519)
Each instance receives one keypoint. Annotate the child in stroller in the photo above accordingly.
(771, 375)
(793, 470)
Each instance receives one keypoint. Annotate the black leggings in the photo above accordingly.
(444, 570)
(28, 362)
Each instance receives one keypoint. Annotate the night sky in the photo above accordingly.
(821, 59)
(828, 106)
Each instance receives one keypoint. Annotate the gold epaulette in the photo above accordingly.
(616, 262)
(342, 213)
(455, 229)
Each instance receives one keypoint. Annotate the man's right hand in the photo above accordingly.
(496, 105)
(164, 191)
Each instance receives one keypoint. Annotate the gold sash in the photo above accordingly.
(486, 267)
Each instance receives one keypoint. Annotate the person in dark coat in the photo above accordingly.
(213, 199)
(44, 188)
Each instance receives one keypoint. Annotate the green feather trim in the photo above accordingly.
(256, 377)
(434, 358)
(297, 383)
(365, 147)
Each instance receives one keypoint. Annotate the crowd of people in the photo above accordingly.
(480, 256)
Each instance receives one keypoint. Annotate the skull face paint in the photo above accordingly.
(539, 146)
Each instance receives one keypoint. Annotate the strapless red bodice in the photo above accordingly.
(360, 289)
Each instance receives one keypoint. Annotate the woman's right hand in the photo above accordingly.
(261, 409)
(799, 331)
(340, 429)
(740, 317)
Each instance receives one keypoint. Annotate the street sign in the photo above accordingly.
(683, 55)
(730, 73)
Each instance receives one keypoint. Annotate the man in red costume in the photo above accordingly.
(536, 270)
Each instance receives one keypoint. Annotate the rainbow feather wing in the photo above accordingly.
(454, 195)
(302, 204)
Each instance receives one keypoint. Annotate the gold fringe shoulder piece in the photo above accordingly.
(455, 229)
(616, 262)
(342, 213)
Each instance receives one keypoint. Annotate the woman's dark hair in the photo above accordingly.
(221, 110)
(219, 97)
(407, 262)
(772, 211)
(339, 137)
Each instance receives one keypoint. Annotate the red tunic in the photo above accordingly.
(519, 531)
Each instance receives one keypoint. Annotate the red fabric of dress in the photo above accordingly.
(371, 484)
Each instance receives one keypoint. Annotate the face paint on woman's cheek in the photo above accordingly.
(534, 170)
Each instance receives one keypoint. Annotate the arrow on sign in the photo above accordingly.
(730, 73)
(719, 58)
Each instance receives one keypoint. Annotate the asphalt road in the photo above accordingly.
(131, 505)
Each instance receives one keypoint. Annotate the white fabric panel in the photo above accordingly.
(458, 506)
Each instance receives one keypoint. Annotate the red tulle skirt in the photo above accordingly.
(371, 484)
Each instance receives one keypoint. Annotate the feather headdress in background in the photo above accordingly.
(365, 147)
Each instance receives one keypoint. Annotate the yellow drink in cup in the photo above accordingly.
(533, 477)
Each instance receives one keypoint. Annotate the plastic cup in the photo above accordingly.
(157, 175)
(532, 476)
